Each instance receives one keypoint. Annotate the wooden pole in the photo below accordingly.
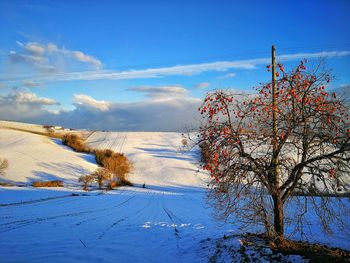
(278, 204)
(274, 115)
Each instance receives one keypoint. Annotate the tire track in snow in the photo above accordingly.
(123, 219)
(170, 215)
(109, 208)
(37, 201)
(27, 222)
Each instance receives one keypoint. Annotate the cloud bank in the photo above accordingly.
(159, 112)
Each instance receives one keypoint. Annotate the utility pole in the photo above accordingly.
(276, 195)
(274, 115)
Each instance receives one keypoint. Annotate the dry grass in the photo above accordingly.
(47, 184)
(6, 184)
(75, 142)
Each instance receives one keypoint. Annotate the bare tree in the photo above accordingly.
(101, 175)
(258, 164)
(86, 180)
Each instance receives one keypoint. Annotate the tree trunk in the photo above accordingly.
(278, 217)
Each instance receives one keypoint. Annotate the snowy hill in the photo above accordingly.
(35, 157)
(157, 157)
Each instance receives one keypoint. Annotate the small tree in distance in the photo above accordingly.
(4, 164)
(101, 175)
(86, 180)
(256, 169)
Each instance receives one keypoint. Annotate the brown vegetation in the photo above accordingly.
(47, 184)
(314, 252)
(75, 142)
(86, 180)
(116, 163)
(101, 175)
(4, 164)
(115, 169)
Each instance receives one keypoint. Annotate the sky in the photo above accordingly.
(147, 65)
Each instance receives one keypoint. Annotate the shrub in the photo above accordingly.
(86, 180)
(116, 163)
(47, 184)
(4, 164)
(75, 142)
(100, 155)
(126, 182)
(101, 175)
(112, 185)
(119, 165)
(184, 142)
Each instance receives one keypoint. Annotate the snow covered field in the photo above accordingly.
(168, 221)
(164, 222)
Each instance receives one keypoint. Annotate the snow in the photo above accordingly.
(130, 224)
(157, 157)
(35, 157)
(22, 126)
(168, 221)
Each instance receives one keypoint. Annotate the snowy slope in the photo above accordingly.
(22, 126)
(35, 157)
(157, 157)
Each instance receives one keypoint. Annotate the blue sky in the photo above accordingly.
(64, 59)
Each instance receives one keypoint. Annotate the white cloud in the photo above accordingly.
(202, 85)
(29, 98)
(80, 56)
(161, 92)
(49, 58)
(81, 100)
(35, 48)
(227, 76)
(179, 69)
(25, 106)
